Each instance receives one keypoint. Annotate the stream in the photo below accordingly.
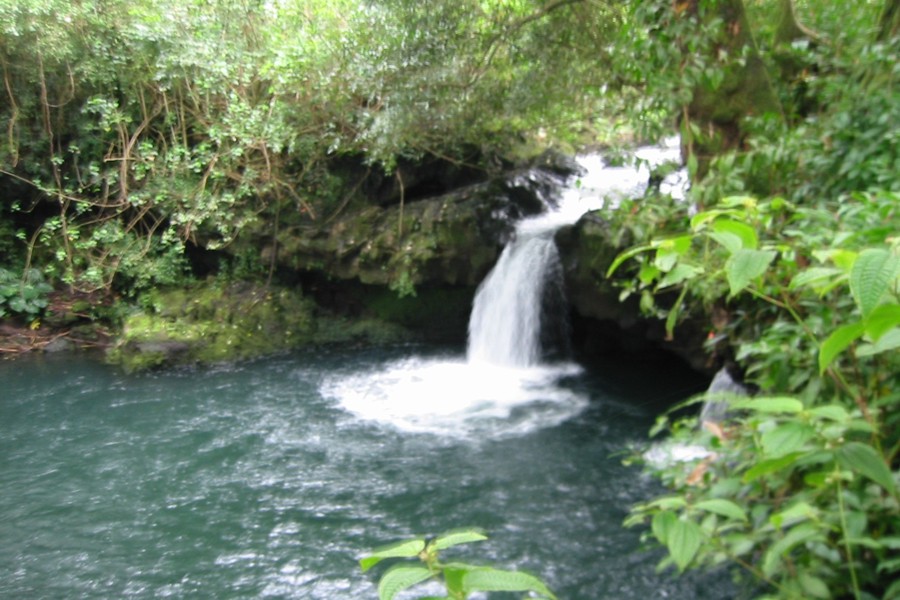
(265, 480)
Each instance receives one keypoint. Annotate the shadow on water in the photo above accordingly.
(249, 481)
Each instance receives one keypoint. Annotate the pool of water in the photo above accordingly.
(270, 479)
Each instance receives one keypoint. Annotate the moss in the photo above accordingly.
(213, 322)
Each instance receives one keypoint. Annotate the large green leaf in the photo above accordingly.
(460, 536)
(769, 404)
(630, 253)
(486, 579)
(818, 278)
(887, 342)
(725, 508)
(785, 438)
(404, 549)
(662, 524)
(702, 218)
(684, 540)
(399, 578)
(864, 460)
(813, 586)
(882, 319)
(798, 535)
(771, 465)
(678, 274)
(745, 233)
(837, 342)
(727, 240)
(871, 277)
(746, 265)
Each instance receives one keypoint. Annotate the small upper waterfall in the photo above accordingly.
(505, 326)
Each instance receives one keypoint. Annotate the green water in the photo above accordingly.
(254, 481)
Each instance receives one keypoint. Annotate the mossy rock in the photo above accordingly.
(213, 322)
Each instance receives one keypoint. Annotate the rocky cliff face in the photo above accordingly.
(602, 323)
(448, 239)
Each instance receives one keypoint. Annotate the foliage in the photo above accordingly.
(132, 129)
(799, 491)
(460, 579)
(23, 295)
(797, 495)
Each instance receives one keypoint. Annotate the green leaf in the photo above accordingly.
(729, 241)
(683, 541)
(786, 438)
(669, 502)
(702, 218)
(648, 273)
(745, 233)
(837, 342)
(772, 465)
(632, 252)
(866, 461)
(672, 317)
(816, 278)
(404, 549)
(881, 320)
(746, 265)
(456, 537)
(797, 535)
(453, 577)
(486, 579)
(680, 273)
(400, 577)
(843, 259)
(773, 404)
(871, 277)
(833, 412)
(662, 524)
(889, 341)
(665, 259)
(813, 587)
(725, 508)
(797, 512)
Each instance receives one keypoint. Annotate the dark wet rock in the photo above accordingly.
(604, 323)
(449, 239)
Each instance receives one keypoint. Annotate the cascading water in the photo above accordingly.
(505, 325)
(502, 387)
(506, 321)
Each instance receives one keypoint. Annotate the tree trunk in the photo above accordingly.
(717, 113)
(890, 20)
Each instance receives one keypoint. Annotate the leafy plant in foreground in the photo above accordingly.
(460, 579)
(800, 489)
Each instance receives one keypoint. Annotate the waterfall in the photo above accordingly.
(502, 387)
(505, 324)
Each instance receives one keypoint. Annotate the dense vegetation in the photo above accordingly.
(136, 133)
(135, 129)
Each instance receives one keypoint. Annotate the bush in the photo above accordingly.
(800, 489)
(24, 295)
